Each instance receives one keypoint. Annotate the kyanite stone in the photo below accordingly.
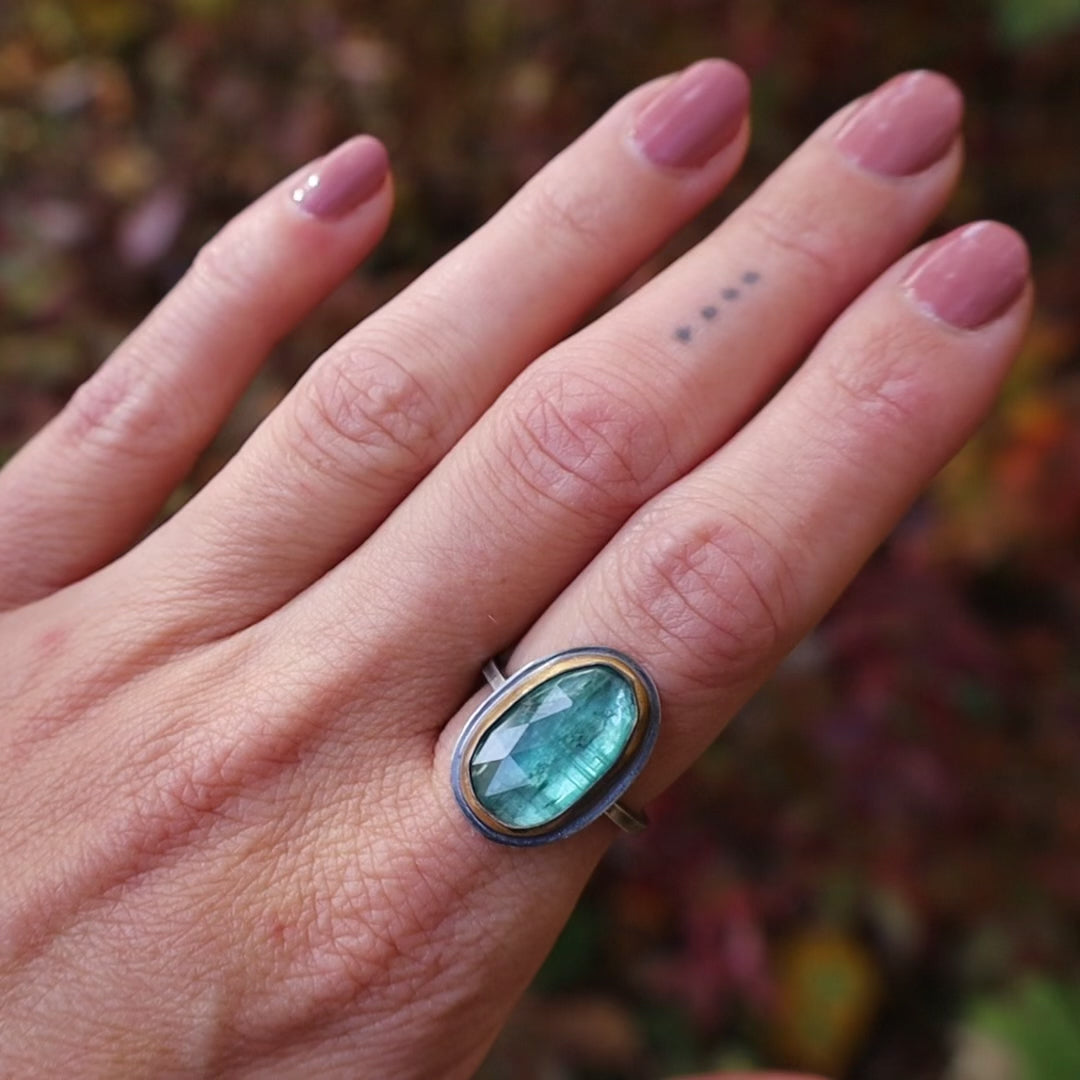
(550, 747)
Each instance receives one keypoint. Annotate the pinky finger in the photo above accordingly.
(85, 487)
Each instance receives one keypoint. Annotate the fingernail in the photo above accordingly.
(905, 125)
(970, 276)
(344, 179)
(695, 117)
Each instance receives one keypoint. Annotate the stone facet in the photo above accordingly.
(553, 745)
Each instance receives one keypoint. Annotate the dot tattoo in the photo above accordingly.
(685, 333)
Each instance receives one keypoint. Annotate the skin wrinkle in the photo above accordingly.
(700, 592)
(131, 408)
(339, 690)
(365, 408)
(558, 446)
(566, 214)
(119, 652)
(116, 411)
(407, 890)
(800, 223)
(164, 794)
(128, 846)
(400, 942)
(156, 1022)
(874, 387)
(815, 251)
(571, 440)
(228, 731)
(880, 384)
(758, 517)
(194, 625)
(225, 267)
(363, 387)
(65, 710)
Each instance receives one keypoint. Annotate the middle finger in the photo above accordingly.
(631, 403)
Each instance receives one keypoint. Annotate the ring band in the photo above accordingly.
(555, 746)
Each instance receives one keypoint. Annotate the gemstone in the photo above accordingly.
(553, 745)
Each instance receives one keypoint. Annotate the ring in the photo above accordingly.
(555, 746)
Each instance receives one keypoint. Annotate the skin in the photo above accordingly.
(227, 834)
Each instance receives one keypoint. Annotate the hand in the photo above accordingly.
(229, 842)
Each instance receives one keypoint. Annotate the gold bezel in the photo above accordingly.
(507, 697)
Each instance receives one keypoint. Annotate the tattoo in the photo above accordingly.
(709, 312)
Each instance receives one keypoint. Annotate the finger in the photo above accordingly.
(608, 419)
(719, 576)
(386, 402)
(85, 487)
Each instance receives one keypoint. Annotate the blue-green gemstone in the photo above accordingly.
(551, 746)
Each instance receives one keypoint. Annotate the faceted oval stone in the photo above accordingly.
(552, 745)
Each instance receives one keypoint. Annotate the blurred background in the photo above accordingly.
(875, 873)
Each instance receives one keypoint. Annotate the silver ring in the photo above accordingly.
(555, 746)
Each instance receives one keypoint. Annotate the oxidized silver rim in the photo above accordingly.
(603, 797)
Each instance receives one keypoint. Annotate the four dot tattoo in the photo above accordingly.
(710, 311)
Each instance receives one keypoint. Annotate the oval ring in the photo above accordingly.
(555, 746)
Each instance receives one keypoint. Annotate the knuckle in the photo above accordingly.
(801, 232)
(365, 410)
(716, 598)
(115, 410)
(589, 446)
(219, 265)
(875, 387)
(564, 212)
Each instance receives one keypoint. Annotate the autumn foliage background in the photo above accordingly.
(875, 873)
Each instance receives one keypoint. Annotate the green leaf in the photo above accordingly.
(576, 953)
(1021, 22)
(1040, 1023)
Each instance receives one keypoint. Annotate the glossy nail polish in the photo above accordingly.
(695, 116)
(345, 178)
(905, 126)
(970, 276)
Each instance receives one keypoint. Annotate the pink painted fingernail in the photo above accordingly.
(695, 117)
(970, 276)
(905, 126)
(344, 179)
